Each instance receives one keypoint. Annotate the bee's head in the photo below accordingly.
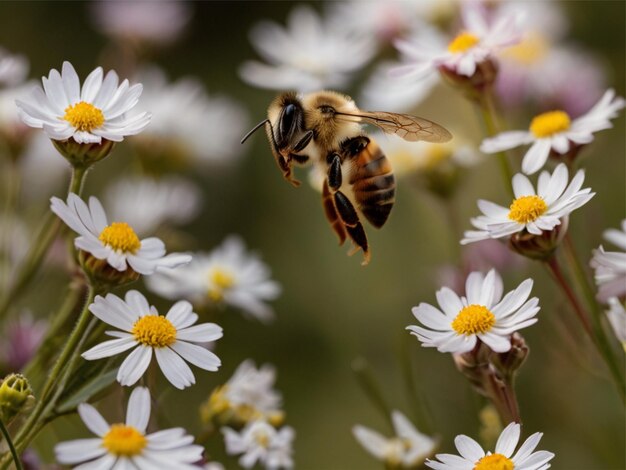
(286, 115)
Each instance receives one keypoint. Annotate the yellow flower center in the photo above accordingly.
(262, 437)
(550, 123)
(527, 209)
(121, 237)
(220, 280)
(395, 450)
(84, 116)
(473, 319)
(462, 42)
(154, 331)
(494, 462)
(124, 441)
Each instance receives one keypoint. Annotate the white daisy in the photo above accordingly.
(311, 53)
(13, 68)
(556, 131)
(408, 448)
(473, 457)
(228, 275)
(126, 445)
(187, 123)
(610, 266)
(87, 115)
(532, 211)
(147, 203)
(617, 318)
(171, 337)
(259, 441)
(477, 42)
(117, 243)
(482, 314)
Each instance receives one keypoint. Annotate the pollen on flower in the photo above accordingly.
(120, 236)
(154, 331)
(124, 441)
(395, 450)
(494, 462)
(473, 319)
(84, 116)
(220, 280)
(527, 209)
(262, 437)
(462, 42)
(550, 123)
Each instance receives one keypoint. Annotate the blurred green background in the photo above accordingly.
(332, 309)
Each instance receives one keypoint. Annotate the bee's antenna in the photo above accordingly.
(254, 129)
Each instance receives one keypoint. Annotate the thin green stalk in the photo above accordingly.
(490, 117)
(68, 350)
(370, 386)
(416, 397)
(7, 436)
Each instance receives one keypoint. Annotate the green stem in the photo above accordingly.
(416, 397)
(370, 386)
(50, 228)
(7, 436)
(68, 351)
(490, 117)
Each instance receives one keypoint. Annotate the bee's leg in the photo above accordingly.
(303, 142)
(331, 214)
(334, 172)
(346, 209)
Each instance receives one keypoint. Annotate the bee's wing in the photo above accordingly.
(411, 128)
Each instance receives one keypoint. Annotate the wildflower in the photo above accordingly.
(15, 393)
(93, 114)
(474, 46)
(310, 54)
(482, 314)
(207, 133)
(408, 448)
(555, 131)
(610, 266)
(617, 318)
(474, 457)
(126, 445)
(531, 212)
(247, 396)
(228, 275)
(260, 441)
(13, 68)
(117, 242)
(155, 22)
(148, 203)
(170, 337)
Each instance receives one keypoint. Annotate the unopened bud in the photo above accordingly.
(83, 155)
(475, 86)
(103, 274)
(15, 395)
(539, 247)
(509, 362)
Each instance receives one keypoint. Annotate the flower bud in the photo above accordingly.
(103, 274)
(15, 393)
(475, 86)
(539, 247)
(509, 362)
(83, 155)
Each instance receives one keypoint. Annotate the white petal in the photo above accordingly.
(91, 86)
(93, 420)
(134, 365)
(469, 448)
(197, 355)
(522, 186)
(174, 368)
(109, 348)
(203, 333)
(79, 450)
(507, 442)
(138, 411)
(536, 156)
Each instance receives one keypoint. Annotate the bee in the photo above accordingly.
(325, 128)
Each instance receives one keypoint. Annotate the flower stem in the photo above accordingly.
(370, 386)
(65, 357)
(7, 437)
(416, 396)
(490, 118)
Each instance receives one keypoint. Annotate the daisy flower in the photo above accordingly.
(170, 337)
(473, 457)
(610, 266)
(408, 448)
(260, 441)
(477, 42)
(207, 133)
(482, 314)
(126, 445)
(13, 68)
(617, 318)
(532, 211)
(226, 276)
(87, 115)
(555, 131)
(309, 54)
(147, 203)
(117, 243)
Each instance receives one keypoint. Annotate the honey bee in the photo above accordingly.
(326, 128)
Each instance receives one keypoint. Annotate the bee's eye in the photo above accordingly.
(286, 119)
(327, 110)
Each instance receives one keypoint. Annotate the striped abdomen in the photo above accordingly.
(372, 180)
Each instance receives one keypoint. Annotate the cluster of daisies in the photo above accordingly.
(114, 250)
(516, 50)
